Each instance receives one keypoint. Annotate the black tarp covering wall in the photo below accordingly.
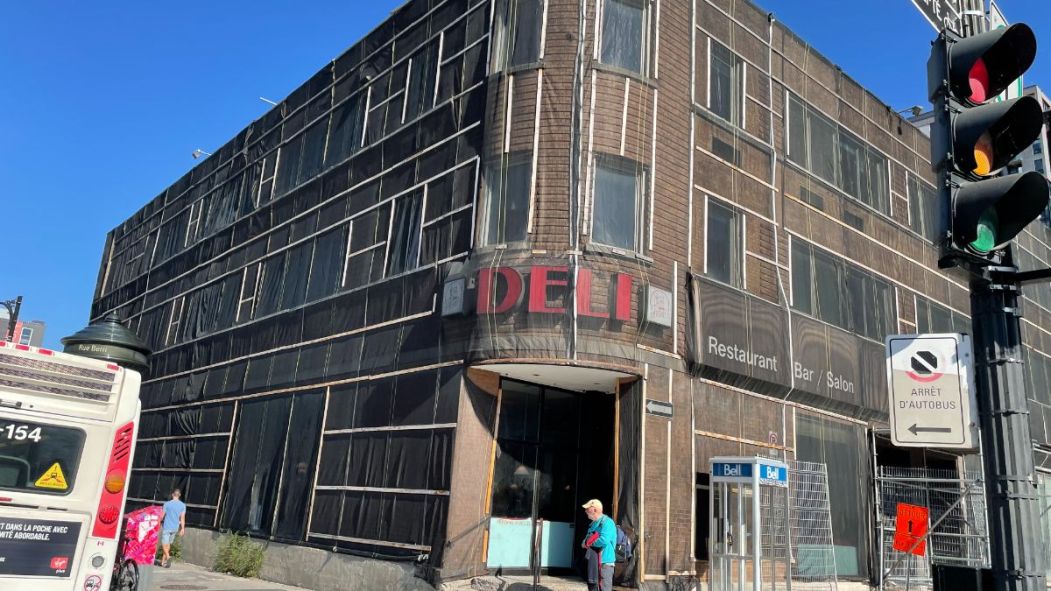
(301, 389)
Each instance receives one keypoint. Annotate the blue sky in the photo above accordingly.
(103, 103)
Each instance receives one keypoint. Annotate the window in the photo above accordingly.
(935, 318)
(1039, 292)
(797, 147)
(842, 448)
(249, 288)
(423, 71)
(831, 152)
(802, 294)
(404, 247)
(726, 84)
(519, 26)
(618, 202)
(1039, 165)
(624, 34)
(722, 244)
(194, 225)
(26, 336)
(31, 449)
(508, 183)
(923, 209)
(366, 247)
(830, 289)
(870, 302)
(702, 531)
(347, 128)
(302, 157)
(329, 255)
(1044, 496)
(850, 162)
(175, 320)
(1037, 147)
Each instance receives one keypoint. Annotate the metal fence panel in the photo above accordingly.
(810, 521)
(958, 534)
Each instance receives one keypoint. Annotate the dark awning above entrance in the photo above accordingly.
(747, 342)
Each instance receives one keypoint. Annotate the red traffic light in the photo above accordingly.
(978, 78)
(983, 66)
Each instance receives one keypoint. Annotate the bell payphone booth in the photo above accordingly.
(749, 535)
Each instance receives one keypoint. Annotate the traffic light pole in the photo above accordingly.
(1017, 546)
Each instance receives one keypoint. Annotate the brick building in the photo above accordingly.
(27, 332)
(424, 300)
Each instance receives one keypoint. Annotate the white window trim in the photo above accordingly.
(175, 320)
(194, 224)
(382, 243)
(25, 336)
(241, 299)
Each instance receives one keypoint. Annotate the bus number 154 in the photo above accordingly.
(20, 432)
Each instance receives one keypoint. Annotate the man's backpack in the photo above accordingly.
(623, 547)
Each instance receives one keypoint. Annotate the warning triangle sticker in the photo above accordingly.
(53, 478)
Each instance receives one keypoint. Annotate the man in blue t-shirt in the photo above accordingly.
(173, 521)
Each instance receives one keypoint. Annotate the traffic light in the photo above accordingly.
(974, 138)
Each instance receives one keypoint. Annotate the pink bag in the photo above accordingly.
(141, 532)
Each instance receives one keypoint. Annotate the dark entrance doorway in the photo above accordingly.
(554, 452)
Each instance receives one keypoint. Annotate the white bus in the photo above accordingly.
(67, 436)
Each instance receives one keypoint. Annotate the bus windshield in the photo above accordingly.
(38, 458)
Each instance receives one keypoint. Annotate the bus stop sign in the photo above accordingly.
(931, 397)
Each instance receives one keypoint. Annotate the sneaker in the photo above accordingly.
(168, 564)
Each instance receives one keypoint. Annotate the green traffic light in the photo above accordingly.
(986, 233)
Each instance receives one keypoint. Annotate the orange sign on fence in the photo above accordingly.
(911, 528)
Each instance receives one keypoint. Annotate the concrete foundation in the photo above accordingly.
(312, 568)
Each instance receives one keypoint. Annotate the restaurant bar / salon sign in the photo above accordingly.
(746, 341)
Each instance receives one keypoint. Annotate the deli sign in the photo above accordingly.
(543, 289)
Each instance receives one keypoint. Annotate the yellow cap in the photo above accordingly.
(593, 503)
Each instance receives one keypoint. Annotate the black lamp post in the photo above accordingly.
(13, 306)
(107, 339)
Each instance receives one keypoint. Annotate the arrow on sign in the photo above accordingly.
(917, 430)
(661, 409)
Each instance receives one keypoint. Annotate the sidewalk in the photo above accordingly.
(183, 576)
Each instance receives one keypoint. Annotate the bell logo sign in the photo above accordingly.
(731, 470)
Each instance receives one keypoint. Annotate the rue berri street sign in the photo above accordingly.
(931, 393)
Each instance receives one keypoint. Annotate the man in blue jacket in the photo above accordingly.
(602, 540)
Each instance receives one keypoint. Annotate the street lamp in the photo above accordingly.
(13, 307)
(198, 153)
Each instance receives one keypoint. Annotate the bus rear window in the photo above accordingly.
(38, 458)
